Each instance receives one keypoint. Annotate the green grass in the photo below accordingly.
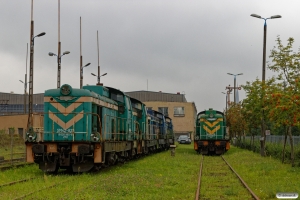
(266, 176)
(14, 146)
(158, 176)
(218, 182)
(275, 150)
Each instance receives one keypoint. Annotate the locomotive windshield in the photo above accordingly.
(117, 97)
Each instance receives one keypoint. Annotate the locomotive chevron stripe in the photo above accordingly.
(211, 131)
(211, 124)
(65, 110)
(68, 124)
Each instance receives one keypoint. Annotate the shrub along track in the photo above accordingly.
(218, 181)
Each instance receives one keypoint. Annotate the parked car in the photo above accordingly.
(184, 139)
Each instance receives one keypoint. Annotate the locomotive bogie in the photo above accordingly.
(211, 147)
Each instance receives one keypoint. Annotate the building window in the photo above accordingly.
(163, 110)
(178, 111)
(149, 108)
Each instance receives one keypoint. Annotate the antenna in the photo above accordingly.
(59, 48)
(80, 58)
(98, 60)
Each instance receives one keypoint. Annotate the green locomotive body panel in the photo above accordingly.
(210, 125)
(67, 109)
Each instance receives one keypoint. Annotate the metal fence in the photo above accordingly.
(12, 148)
(278, 139)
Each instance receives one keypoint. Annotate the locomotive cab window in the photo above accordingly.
(117, 97)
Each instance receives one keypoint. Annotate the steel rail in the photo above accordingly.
(242, 181)
(15, 182)
(45, 188)
(14, 166)
(12, 160)
(199, 180)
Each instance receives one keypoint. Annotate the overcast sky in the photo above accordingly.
(174, 46)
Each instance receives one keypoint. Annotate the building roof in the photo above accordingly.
(12, 98)
(145, 96)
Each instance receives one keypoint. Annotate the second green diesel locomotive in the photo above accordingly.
(210, 134)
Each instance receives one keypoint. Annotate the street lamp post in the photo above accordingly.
(98, 78)
(234, 87)
(226, 101)
(25, 90)
(265, 41)
(58, 65)
(81, 74)
(30, 123)
(262, 141)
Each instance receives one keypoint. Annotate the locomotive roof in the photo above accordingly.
(136, 100)
(207, 113)
(78, 93)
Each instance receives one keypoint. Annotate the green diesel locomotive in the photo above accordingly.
(89, 128)
(210, 134)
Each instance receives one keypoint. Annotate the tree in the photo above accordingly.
(284, 103)
(235, 120)
(255, 106)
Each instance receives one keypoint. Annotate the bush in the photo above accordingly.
(274, 150)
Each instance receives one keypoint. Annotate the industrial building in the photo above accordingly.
(174, 105)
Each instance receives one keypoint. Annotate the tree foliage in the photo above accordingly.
(276, 100)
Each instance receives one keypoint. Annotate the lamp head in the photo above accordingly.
(41, 34)
(255, 15)
(66, 52)
(51, 54)
(275, 16)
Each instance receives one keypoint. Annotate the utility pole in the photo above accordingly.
(229, 89)
(30, 123)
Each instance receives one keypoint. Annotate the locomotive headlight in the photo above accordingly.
(65, 89)
(31, 135)
(95, 137)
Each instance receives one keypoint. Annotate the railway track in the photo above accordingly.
(18, 181)
(218, 180)
(14, 160)
(3, 168)
(43, 188)
(32, 192)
